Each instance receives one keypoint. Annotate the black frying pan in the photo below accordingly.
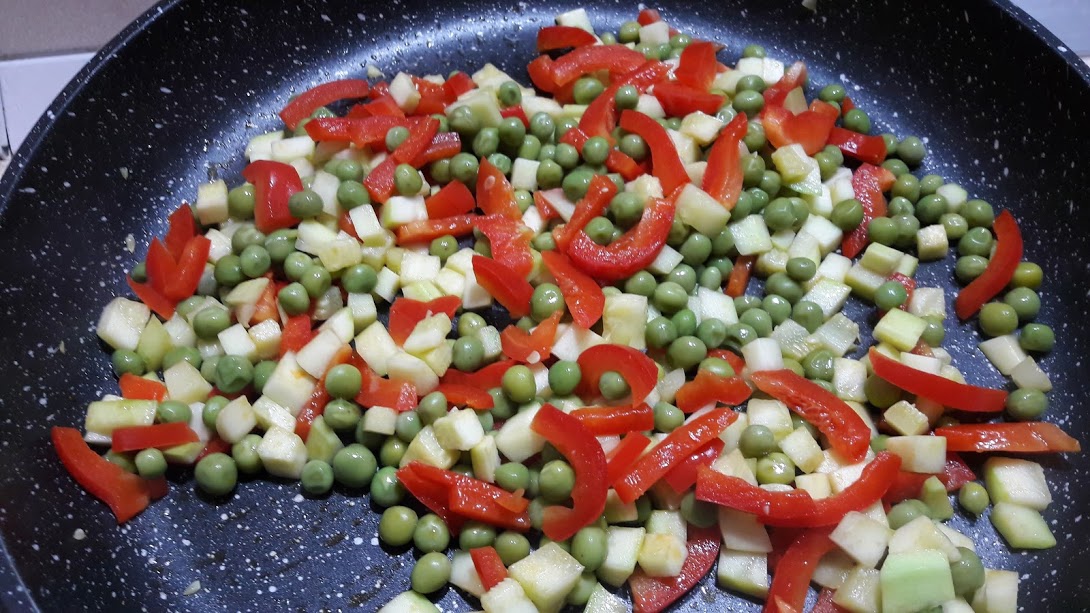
(176, 96)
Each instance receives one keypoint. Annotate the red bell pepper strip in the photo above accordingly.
(274, 183)
(955, 473)
(495, 195)
(647, 17)
(383, 105)
(470, 506)
(582, 295)
(190, 269)
(709, 388)
(624, 455)
(868, 182)
(443, 145)
(516, 112)
(427, 230)
(655, 594)
(125, 493)
(1000, 269)
(432, 495)
(541, 74)
(616, 59)
(421, 132)
(825, 603)
(489, 566)
(457, 84)
(944, 391)
(723, 175)
(182, 228)
(475, 499)
(683, 476)
(674, 449)
(214, 445)
(380, 181)
(297, 333)
(583, 452)
(461, 395)
(679, 100)
(1022, 437)
(379, 391)
(665, 162)
(513, 502)
(510, 241)
(736, 362)
(485, 378)
(159, 436)
(639, 371)
(265, 307)
(810, 128)
(430, 103)
(608, 421)
(453, 199)
(503, 284)
(139, 388)
(405, 313)
(848, 434)
(553, 38)
(795, 508)
(739, 275)
(846, 105)
(599, 193)
(360, 131)
(315, 405)
(531, 347)
(544, 207)
(862, 147)
(160, 304)
(632, 252)
(615, 162)
(303, 105)
(791, 578)
(161, 266)
(795, 76)
(697, 66)
(600, 116)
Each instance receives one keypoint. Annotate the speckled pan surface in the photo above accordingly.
(1005, 109)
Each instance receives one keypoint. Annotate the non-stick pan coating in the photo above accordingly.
(1004, 107)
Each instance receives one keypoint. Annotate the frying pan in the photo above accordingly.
(174, 98)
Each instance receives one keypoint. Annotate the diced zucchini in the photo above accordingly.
(751, 235)
(771, 414)
(816, 484)
(1017, 481)
(322, 442)
(236, 340)
(919, 454)
(618, 512)
(915, 581)
(105, 416)
(235, 420)
(743, 571)
(515, 440)
(463, 574)
(428, 334)
(829, 295)
(154, 344)
(716, 305)
(622, 550)
(485, 458)
(881, 259)
(458, 430)
(381, 420)
(602, 601)
(288, 385)
(762, 354)
(860, 591)
(624, 320)
(270, 414)
(922, 534)
(862, 538)
(407, 367)
(699, 210)
(121, 323)
(662, 555)
(802, 449)
(185, 383)
(999, 594)
(376, 346)
(409, 602)
(863, 281)
(839, 334)
(547, 575)
(1028, 375)
(425, 448)
(315, 357)
(905, 419)
(833, 568)
(507, 596)
(742, 532)
(900, 329)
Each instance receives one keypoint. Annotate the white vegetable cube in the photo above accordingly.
(387, 284)
(367, 226)
(411, 602)
(260, 146)
(340, 253)
(696, 171)
(860, 591)
(815, 484)
(425, 448)
(763, 354)
(657, 33)
(515, 440)
(803, 450)
(419, 267)
(698, 209)
(751, 235)
(667, 260)
(282, 453)
(900, 329)
(1029, 375)
(832, 569)
(428, 334)
(623, 546)
(734, 464)
(1004, 352)
(185, 383)
(121, 323)
(112, 412)
(922, 534)
(862, 538)
(742, 532)
(955, 196)
(834, 267)
(701, 127)
(999, 593)
(840, 189)
(743, 571)
(576, 18)
(316, 355)
(524, 174)
(905, 419)
(662, 555)
(288, 385)
(716, 305)
(485, 459)
(400, 210)
(932, 243)
(919, 454)
(291, 149)
(212, 202)
(805, 245)
(829, 295)
(1017, 481)
(450, 282)
(269, 415)
(381, 420)
(325, 184)
(459, 429)
(376, 346)
(474, 296)
(849, 377)
(603, 601)
(235, 340)
(404, 93)
(408, 367)
(547, 575)
(235, 420)
(464, 575)
(507, 596)
(624, 320)
(572, 340)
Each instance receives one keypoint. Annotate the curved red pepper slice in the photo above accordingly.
(161, 266)
(453, 199)
(600, 191)
(474, 499)
(665, 162)
(486, 378)
(674, 449)
(616, 59)
(134, 387)
(647, 17)
(615, 162)
(469, 504)
(697, 65)
(460, 395)
(489, 566)
(432, 495)
(869, 149)
(707, 388)
(509, 239)
(531, 347)
(683, 476)
(182, 228)
(810, 128)
(600, 116)
(868, 182)
(791, 578)
(190, 268)
(311, 100)
(723, 175)
(795, 76)
(552, 38)
(360, 131)
(1000, 269)
(584, 454)
(503, 284)
(405, 313)
(679, 100)
(847, 432)
(955, 473)
(274, 183)
(739, 275)
(795, 508)
(383, 105)
(609, 421)
(639, 371)
(421, 131)
(541, 74)
(158, 436)
(944, 391)
(427, 230)
(632, 252)
(736, 362)
(265, 307)
(1022, 437)
(456, 85)
(297, 333)
(443, 145)
(582, 294)
(655, 594)
(495, 195)
(158, 303)
(125, 493)
(624, 456)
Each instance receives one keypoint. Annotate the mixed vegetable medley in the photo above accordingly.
(611, 347)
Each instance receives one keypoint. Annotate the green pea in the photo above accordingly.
(1027, 274)
(596, 150)
(407, 180)
(929, 184)
(895, 166)
(431, 534)
(391, 451)
(512, 547)
(934, 333)
(1026, 404)
(969, 267)
(753, 170)
(211, 410)
(397, 525)
(279, 245)
(740, 334)
(502, 408)
(513, 476)
(343, 381)
(967, 573)
(807, 314)
(642, 283)
(296, 264)
(354, 466)
(588, 546)
(904, 512)
(586, 90)
(660, 332)
(781, 284)
(546, 300)
(890, 141)
(847, 214)
(208, 369)
(908, 187)
(998, 318)
(468, 353)
(240, 202)
(509, 93)
(882, 230)
(686, 352)
(150, 463)
(233, 373)
(890, 295)
(697, 512)
(210, 321)
(669, 297)
(358, 279)
(432, 407)
(124, 460)
(633, 146)
(826, 165)
(756, 441)
(750, 83)
(930, 209)
(667, 417)
(771, 183)
(759, 320)
(542, 126)
(684, 275)
(717, 366)
(530, 148)
(1037, 337)
(1025, 302)
(696, 249)
(126, 361)
(556, 481)
(613, 386)
(475, 534)
(262, 371)
(754, 51)
(818, 364)
(463, 167)
(834, 92)
(139, 273)
(974, 498)
(305, 204)
(748, 101)
(549, 174)
(880, 392)
(216, 474)
(255, 261)
(626, 97)
(977, 241)
(801, 269)
(317, 477)
(386, 488)
(954, 225)
(469, 323)
(316, 281)
(907, 227)
(710, 278)
(245, 455)
(775, 467)
(518, 384)
(777, 307)
(294, 299)
(352, 194)
(244, 237)
(395, 136)
(172, 411)
(834, 152)
(911, 150)
(857, 120)
(978, 213)
(712, 332)
(576, 184)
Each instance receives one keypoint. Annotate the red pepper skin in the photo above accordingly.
(541, 74)
(460, 395)
(1000, 269)
(159, 436)
(475, 499)
(430, 494)
(683, 476)
(443, 145)
(274, 183)
(405, 313)
(510, 241)
(736, 362)
(327, 93)
(1021, 437)
(161, 266)
(503, 284)
(869, 149)
(383, 105)
(655, 594)
(458, 84)
(600, 116)
(616, 161)
(125, 493)
(847, 432)
(846, 105)
(697, 66)
(139, 388)
(791, 579)
(955, 474)
(624, 455)
(795, 76)
(707, 388)
(608, 421)
(647, 17)
(421, 131)
(796, 508)
(948, 393)
(679, 100)
(147, 294)
(379, 391)
(187, 276)
(214, 445)
(723, 176)
(739, 275)
(297, 333)
(674, 449)
(665, 163)
(553, 38)
(868, 182)
(182, 228)
(629, 254)
(489, 566)
(495, 195)
(616, 59)
(638, 370)
(360, 131)
(265, 308)
(453, 199)
(600, 191)
(486, 378)
(315, 405)
(473, 507)
(825, 602)
(427, 230)
(582, 295)
(809, 128)
(584, 454)
(531, 347)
